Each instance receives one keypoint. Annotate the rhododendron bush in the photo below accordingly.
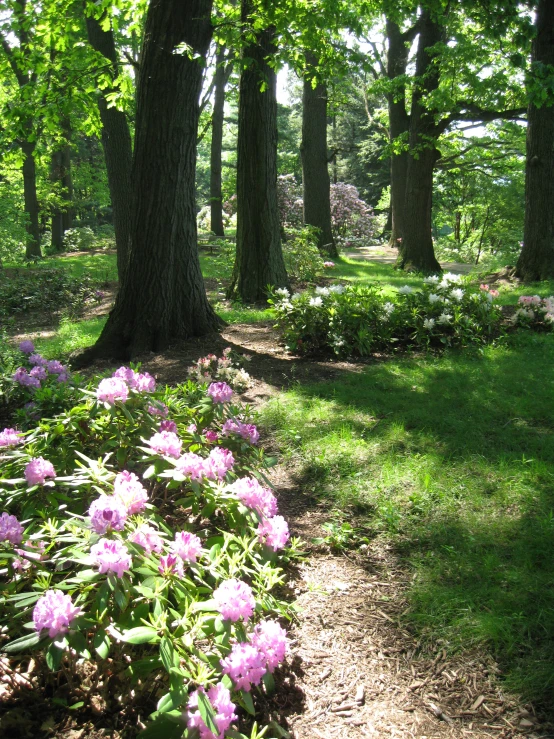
(139, 536)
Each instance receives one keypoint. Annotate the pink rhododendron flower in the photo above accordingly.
(55, 367)
(54, 611)
(130, 491)
(234, 600)
(247, 430)
(38, 470)
(145, 383)
(107, 512)
(112, 389)
(10, 437)
(274, 532)
(190, 465)
(27, 347)
(111, 556)
(220, 392)
(249, 491)
(271, 641)
(211, 436)
(328, 265)
(224, 710)
(191, 428)
(147, 538)
(126, 374)
(218, 464)
(245, 665)
(10, 529)
(168, 426)
(162, 410)
(170, 565)
(166, 443)
(187, 546)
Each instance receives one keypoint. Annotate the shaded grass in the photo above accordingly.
(452, 458)
(99, 266)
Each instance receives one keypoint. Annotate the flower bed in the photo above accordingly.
(138, 536)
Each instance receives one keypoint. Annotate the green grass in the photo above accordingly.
(70, 336)
(101, 267)
(452, 459)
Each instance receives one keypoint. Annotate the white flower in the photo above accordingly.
(444, 318)
(450, 277)
(405, 290)
(337, 341)
(458, 293)
(433, 298)
(282, 292)
(428, 323)
(296, 296)
(475, 296)
(322, 291)
(431, 280)
(316, 302)
(338, 289)
(388, 308)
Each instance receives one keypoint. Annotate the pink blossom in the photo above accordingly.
(38, 470)
(107, 512)
(494, 293)
(166, 443)
(145, 383)
(220, 392)
(230, 427)
(187, 546)
(245, 665)
(484, 287)
(191, 428)
(211, 436)
(54, 611)
(130, 491)
(219, 462)
(10, 529)
(168, 426)
(126, 374)
(111, 556)
(274, 532)
(27, 347)
(55, 367)
(248, 431)
(147, 538)
(171, 565)
(271, 641)
(249, 491)
(10, 437)
(190, 465)
(112, 389)
(160, 409)
(234, 600)
(328, 265)
(224, 709)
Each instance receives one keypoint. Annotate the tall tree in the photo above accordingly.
(536, 261)
(221, 77)
(162, 297)
(259, 259)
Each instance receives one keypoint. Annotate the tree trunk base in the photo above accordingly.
(427, 266)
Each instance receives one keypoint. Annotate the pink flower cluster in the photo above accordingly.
(166, 443)
(274, 532)
(38, 470)
(487, 289)
(168, 426)
(220, 392)
(148, 538)
(245, 665)
(171, 565)
(271, 641)
(328, 265)
(160, 409)
(234, 600)
(214, 467)
(142, 382)
(54, 611)
(249, 491)
(529, 300)
(129, 490)
(10, 529)
(117, 387)
(247, 431)
(187, 546)
(111, 556)
(107, 513)
(112, 389)
(10, 437)
(224, 709)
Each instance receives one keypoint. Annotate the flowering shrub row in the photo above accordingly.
(137, 530)
(351, 320)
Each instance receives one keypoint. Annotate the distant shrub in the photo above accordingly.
(81, 238)
(302, 258)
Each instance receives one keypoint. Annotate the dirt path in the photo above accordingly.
(388, 255)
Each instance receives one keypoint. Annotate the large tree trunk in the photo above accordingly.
(32, 249)
(315, 172)
(216, 198)
(162, 297)
(536, 261)
(259, 261)
(416, 248)
(56, 174)
(117, 145)
(399, 124)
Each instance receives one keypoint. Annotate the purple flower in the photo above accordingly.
(170, 565)
(111, 389)
(126, 374)
(191, 428)
(55, 367)
(130, 492)
(166, 443)
(38, 470)
(234, 600)
(211, 436)
(190, 465)
(39, 372)
(249, 491)
(147, 538)
(187, 546)
(37, 360)
(218, 464)
(247, 430)
(220, 392)
(145, 383)
(24, 378)
(107, 512)
(245, 665)
(224, 709)
(158, 410)
(111, 556)
(168, 426)
(54, 611)
(10, 529)
(274, 532)
(27, 347)
(271, 641)
(10, 437)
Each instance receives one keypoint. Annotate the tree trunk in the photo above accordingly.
(259, 261)
(416, 248)
(162, 297)
(216, 197)
(399, 124)
(32, 249)
(315, 172)
(67, 185)
(56, 169)
(536, 261)
(60, 174)
(117, 145)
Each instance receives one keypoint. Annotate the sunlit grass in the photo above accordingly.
(70, 336)
(99, 266)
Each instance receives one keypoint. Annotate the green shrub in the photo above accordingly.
(302, 258)
(81, 238)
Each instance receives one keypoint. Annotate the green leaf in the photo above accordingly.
(24, 642)
(207, 712)
(167, 654)
(102, 643)
(54, 657)
(141, 635)
(163, 727)
(248, 702)
(269, 683)
(171, 700)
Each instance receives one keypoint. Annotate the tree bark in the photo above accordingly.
(60, 174)
(117, 145)
(216, 197)
(315, 171)
(162, 297)
(67, 185)
(32, 248)
(56, 167)
(416, 248)
(536, 261)
(259, 260)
